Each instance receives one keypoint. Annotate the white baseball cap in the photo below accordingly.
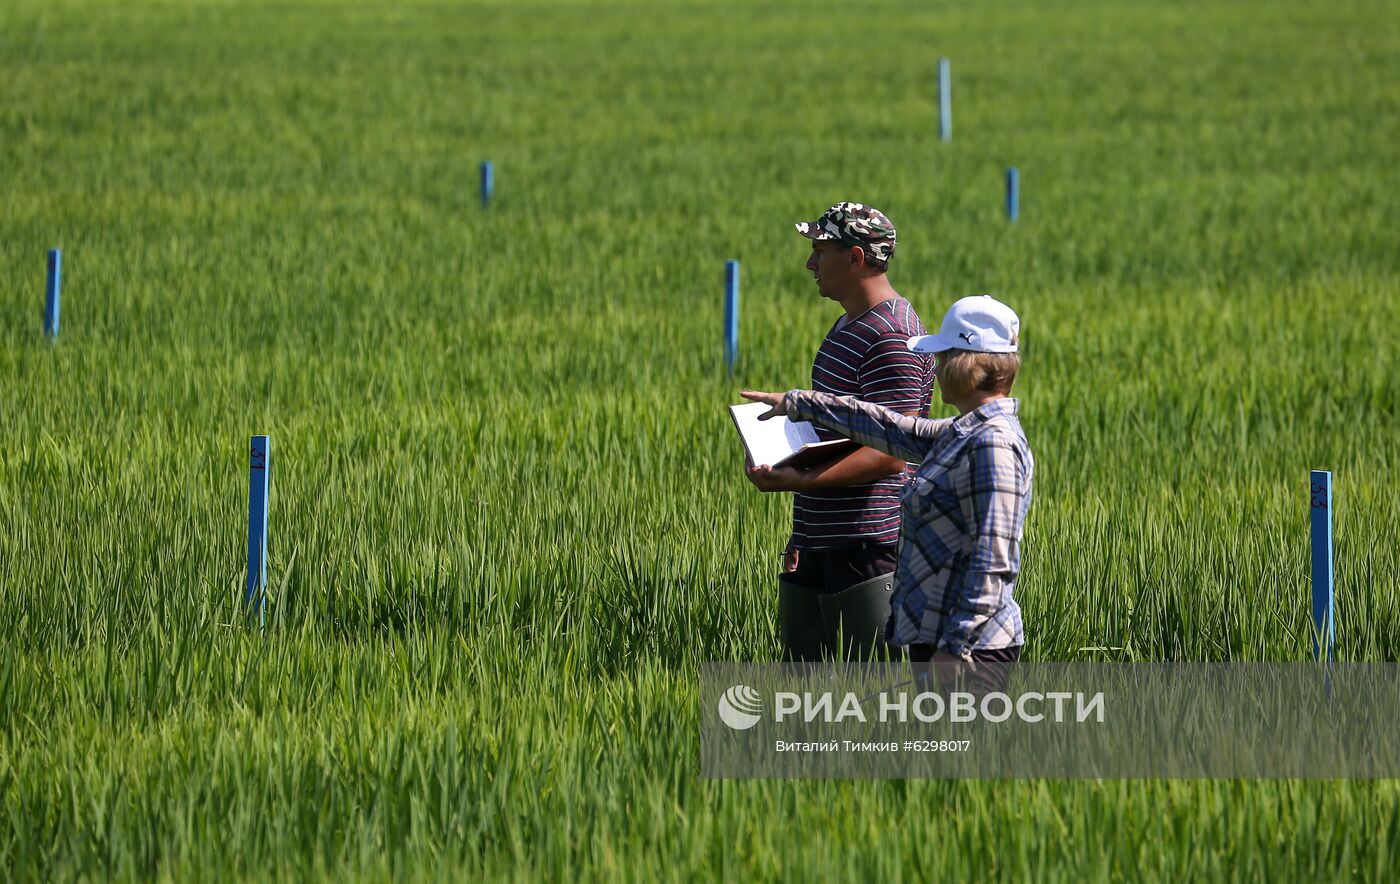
(979, 323)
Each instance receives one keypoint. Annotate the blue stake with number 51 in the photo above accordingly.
(258, 463)
(731, 314)
(52, 285)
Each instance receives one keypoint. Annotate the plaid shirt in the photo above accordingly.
(962, 515)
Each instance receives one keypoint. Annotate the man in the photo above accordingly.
(839, 560)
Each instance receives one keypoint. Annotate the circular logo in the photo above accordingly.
(739, 707)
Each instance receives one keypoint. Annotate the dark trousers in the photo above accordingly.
(834, 570)
(987, 674)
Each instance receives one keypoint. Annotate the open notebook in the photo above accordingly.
(783, 443)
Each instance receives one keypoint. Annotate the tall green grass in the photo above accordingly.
(507, 513)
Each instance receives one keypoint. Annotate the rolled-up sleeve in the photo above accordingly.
(993, 499)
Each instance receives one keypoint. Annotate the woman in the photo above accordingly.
(964, 509)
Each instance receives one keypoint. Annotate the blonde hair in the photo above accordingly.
(965, 371)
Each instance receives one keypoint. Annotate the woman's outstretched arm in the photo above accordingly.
(872, 425)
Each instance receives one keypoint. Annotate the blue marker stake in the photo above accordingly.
(488, 182)
(1324, 626)
(731, 314)
(51, 290)
(257, 528)
(1013, 193)
(945, 100)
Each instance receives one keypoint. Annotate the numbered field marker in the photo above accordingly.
(258, 464)
(731, 314)
(488, 182)
(1013, 193)
(51, 292)
(1323, 611)
(945, 100)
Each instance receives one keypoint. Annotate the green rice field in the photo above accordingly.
(508, 518)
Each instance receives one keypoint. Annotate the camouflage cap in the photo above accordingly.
(854, 224)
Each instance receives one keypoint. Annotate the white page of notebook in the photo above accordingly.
(772, 440)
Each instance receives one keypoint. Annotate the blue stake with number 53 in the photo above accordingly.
(945, 100)
(1323, 612)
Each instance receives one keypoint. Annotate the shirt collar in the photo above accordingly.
(966, 423)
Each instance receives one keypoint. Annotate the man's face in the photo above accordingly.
(830, 265)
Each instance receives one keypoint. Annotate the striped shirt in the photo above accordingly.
(964, 512)
(867, 357)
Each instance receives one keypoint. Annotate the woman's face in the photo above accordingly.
(938, 375)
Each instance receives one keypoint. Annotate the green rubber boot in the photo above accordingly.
(800, 625)
(855, 620)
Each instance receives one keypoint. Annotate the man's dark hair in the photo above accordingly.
(874, 263)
